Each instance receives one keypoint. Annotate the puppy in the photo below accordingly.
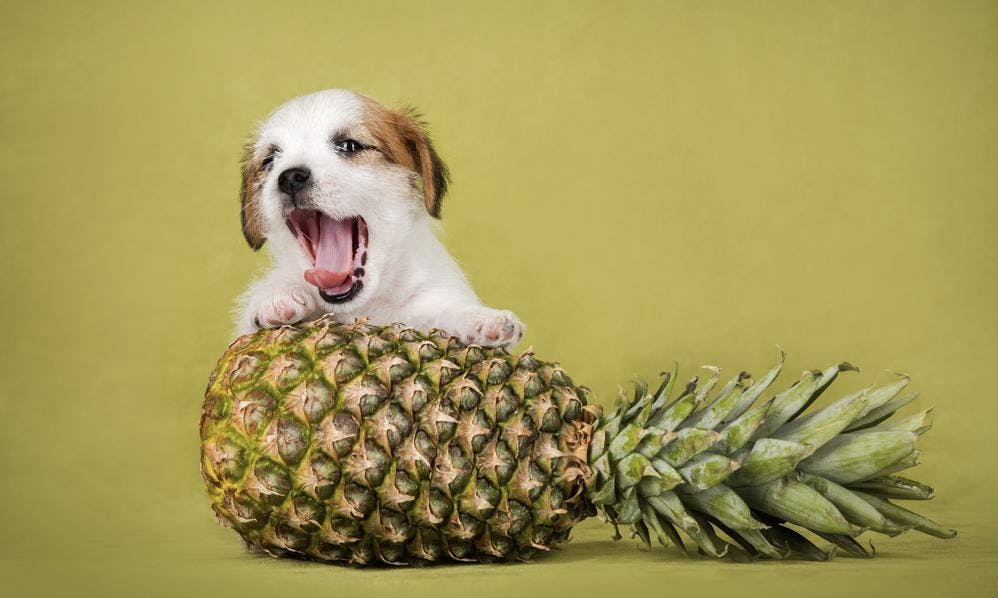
(343, 191)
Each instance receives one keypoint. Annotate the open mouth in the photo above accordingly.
(337, 250)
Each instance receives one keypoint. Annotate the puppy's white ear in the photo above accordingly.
(425, 160)
(249, 212)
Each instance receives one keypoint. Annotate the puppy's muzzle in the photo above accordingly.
(293, 180)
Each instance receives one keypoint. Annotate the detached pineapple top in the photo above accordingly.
(370, 444)
(731, 474)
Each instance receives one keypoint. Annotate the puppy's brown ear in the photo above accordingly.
(249, 212)
(424, 159)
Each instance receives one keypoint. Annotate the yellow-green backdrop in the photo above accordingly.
(640, 182)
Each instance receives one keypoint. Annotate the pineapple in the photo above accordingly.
(369, 444)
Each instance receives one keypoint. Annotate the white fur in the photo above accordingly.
(410, 277)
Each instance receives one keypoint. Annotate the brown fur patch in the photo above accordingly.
(249, 194)
(403, 139)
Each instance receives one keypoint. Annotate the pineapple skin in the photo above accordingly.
(368, 444)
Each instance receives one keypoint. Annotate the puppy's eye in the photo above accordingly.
(268, 162)
(349, 146)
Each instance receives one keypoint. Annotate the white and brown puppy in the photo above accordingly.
(343, 191)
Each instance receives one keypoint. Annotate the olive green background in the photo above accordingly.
(640, 182)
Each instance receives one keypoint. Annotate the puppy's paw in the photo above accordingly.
(489, 327)
(287, 306)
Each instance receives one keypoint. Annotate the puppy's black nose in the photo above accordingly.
(293, 180)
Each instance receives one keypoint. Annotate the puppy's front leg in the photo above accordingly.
(455, 309)
(274, 300)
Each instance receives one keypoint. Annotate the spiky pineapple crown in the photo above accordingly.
(708, 466)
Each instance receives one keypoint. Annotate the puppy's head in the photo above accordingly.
(336, 178)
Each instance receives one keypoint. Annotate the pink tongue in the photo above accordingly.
(333, 253)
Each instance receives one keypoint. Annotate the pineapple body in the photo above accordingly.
(383, 444)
